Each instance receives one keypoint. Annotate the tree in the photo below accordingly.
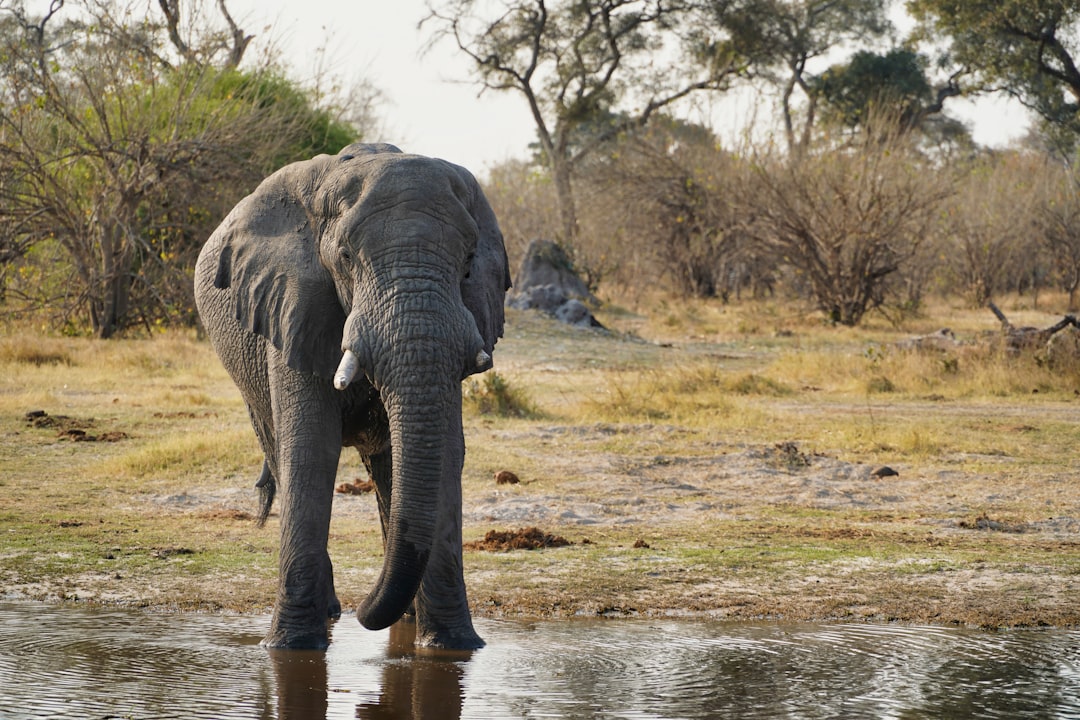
(990, 224)
(789, 35)
(578, 61)
(894, 83)
(1026, 48)
(118, 158)
(846, 221)
(668, 191)
(1059, 221)
(523, 199)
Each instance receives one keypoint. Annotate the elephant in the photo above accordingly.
(347, 297)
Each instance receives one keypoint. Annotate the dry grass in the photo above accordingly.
(733, 441)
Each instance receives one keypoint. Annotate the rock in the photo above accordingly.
(574, 312)
(546, 263)
(546, 298)
(943, 340)
(548, 282)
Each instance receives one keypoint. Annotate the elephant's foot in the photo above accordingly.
(461, 637)
(306, 628)
(333, 610)
(292, 639)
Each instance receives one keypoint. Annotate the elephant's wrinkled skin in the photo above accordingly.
(382, 274)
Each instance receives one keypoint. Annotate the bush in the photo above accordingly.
(493, 395)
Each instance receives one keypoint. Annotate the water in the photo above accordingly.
(78, 662)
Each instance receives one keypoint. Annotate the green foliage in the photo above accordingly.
(315, 131)
(1026, 47)
(120, 164)
(492, 394)
(894, 81)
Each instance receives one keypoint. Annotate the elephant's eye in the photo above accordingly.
(345, 254)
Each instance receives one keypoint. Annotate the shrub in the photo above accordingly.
(493, 395)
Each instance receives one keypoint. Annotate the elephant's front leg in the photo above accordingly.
(442, 607)
(307, 430)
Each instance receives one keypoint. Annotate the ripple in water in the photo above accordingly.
(76, 662)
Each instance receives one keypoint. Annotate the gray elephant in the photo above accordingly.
(347, 297)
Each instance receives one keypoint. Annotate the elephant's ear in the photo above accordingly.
(269, 259)
(484, 287)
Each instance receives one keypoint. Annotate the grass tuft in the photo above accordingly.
(755, 384)
(196, 455)
(493, 394)
(34, 350)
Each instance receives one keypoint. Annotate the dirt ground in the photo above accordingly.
(778, 510)
(723, 531)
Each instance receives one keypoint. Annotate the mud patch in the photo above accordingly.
(41, 419)
(356, 487)
(72, 429)
(224, 513)
(532, 538)
(164, 553)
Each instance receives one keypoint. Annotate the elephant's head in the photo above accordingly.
(384, 264)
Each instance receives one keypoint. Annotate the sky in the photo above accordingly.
(430, 107)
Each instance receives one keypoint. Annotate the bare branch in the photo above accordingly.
(240, 40)
(171, 10)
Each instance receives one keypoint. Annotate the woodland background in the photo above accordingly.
(128, 130)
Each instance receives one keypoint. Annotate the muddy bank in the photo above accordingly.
(721, 530)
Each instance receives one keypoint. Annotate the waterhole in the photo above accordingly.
(80, 662)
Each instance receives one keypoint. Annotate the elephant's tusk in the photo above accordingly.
(346, 370)
(483, 360)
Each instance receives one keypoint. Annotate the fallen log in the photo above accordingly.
(1027, 338)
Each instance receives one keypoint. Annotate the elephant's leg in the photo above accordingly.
(307, 427)
(442, 607)
(380, 469)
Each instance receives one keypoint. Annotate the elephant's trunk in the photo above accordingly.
(418, 418)
(419, 380)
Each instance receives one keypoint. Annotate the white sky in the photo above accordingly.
(430, 108)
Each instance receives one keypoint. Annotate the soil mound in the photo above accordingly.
(524, 539)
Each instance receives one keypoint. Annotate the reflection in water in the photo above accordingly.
(77, 662)
(415, 683)
(300, 676)
(421, 684)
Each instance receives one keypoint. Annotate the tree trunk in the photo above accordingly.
(112, 302)
(564, 194)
